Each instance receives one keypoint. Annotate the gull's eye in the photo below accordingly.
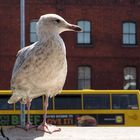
(57, 20)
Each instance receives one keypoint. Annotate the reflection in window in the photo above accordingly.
(97, 101)
(129, 33)
(68, 102)
(84, 77)
(33, 35)
(129, 78)
(84, 37)
(123, 101)
(3, 103)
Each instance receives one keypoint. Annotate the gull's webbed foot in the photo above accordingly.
(48, 128)
(29, 126)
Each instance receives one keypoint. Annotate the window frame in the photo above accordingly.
(135, 34)
(85, 45)
(86, 79)
(31, 21)
(136, 79)
(123, 95)
(4, 105)
(66, 105)
(94, 97)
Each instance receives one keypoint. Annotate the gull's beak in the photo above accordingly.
(73, 27)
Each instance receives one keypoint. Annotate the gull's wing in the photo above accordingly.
(22, 54)
(22, 57)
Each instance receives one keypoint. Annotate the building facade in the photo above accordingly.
(106, 55)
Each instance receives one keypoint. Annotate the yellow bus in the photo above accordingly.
(108, 107)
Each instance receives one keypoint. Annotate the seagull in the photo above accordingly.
(41, 68)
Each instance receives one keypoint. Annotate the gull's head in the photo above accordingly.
(52, 23)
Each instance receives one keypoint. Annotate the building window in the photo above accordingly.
(129, 33)
(84, 37)
(129, 78)
(33, 35)
(84, 77)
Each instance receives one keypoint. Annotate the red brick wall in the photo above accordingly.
(106, 55)
(9, 39)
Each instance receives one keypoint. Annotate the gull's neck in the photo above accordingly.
(44, 37)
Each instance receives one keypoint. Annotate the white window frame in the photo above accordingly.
(130, 77)
(84, 77)
(84, 37)
(33, 35)
(129, 34)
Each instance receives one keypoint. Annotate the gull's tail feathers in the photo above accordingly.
(14, 98)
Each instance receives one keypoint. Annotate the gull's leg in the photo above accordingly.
(29, 124)
(44, 126)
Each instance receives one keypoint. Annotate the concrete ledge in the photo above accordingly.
(75, 133)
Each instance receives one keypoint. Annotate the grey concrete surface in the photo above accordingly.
(76, 133)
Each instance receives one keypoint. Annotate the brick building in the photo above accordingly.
(106, 55)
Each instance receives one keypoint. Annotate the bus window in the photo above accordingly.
(50, 105)
(124, 101)
(3, 103)
(17, 105)
(68, 102)
(36, 104)
(97, 101)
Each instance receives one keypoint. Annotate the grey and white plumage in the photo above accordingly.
(41, 68)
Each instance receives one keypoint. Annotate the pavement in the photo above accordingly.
(74, 133)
